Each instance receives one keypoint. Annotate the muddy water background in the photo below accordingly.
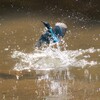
(20, 27)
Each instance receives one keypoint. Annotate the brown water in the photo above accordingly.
(68, 83)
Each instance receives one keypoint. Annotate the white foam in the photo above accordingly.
(51, 58)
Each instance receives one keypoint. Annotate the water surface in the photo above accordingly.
(49, 74)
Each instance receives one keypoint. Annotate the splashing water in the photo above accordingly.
(52, 58)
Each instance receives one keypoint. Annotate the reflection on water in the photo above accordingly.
(69, 84)
(49, 74)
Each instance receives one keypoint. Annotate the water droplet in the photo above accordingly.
(17, 76)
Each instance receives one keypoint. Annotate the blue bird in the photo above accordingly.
(53, 35)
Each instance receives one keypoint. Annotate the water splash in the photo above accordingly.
(52, 58)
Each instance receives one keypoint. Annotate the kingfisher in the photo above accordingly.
(52, 35)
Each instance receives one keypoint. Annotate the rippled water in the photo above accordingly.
(71, 72)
